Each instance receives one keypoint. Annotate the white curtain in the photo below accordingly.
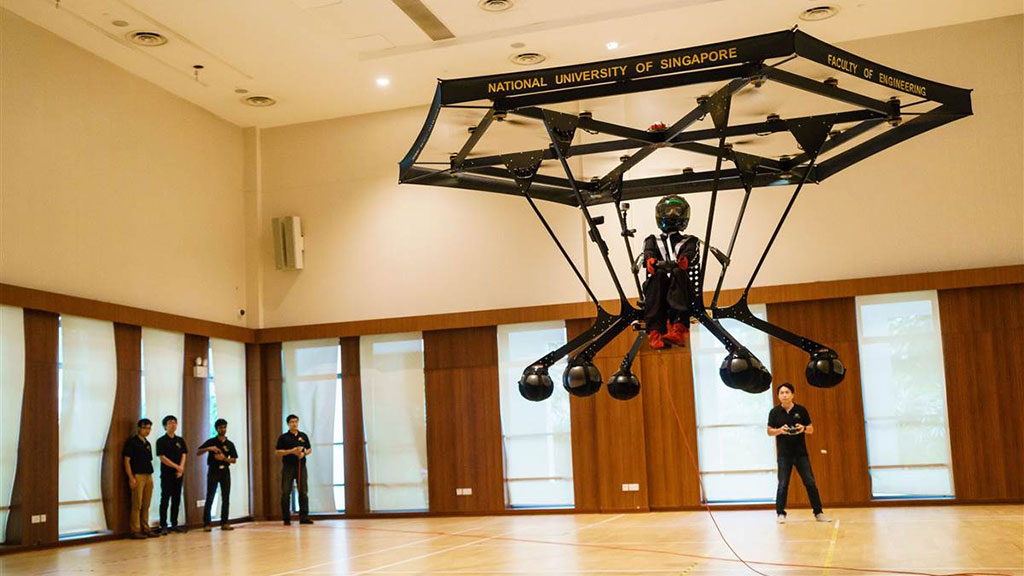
(228, 364)
(311, 370)
(163, 359)
(88, 384)
(737, 458)
(12, 386)
(394, 416)
(536, 435)
(903, 382)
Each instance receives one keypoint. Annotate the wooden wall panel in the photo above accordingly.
(983, 349)
(846, 288)
(260, 454)
(72, 305)
(837, 413)
(127, 407)
(272, 374)
(667, 385)
(464, 447)
(196, 426)
(608, 436)
(356, 485)
(35, 479)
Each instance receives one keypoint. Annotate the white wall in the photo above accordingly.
(115, 190)
(949, 199)
(375, 249)
(112, 188)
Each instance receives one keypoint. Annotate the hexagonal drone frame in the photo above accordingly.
(738, 63)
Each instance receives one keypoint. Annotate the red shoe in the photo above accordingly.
(655, 338)
(678, 334)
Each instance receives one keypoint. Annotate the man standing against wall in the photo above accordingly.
(222, 455)
(138, 465)
(172, 451)
(788, 422)
(293, 446)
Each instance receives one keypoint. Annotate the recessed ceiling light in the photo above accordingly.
(383, 81)
(611, 45)
(147, 39)
(819, 13)
(527, 58)
(259, 101)
(119, 23)
(495, 5)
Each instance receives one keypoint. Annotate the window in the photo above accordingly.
(211, 391)
(395, 420)
(88, 382)
(163, 359)
(312, 391)
(904, 386)
(338, 448)
(12, 387)
(229, 401)
(535, 435)
(736, 455)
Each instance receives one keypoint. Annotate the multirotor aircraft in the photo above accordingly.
(870, 120)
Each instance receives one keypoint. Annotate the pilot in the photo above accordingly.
(668, 292)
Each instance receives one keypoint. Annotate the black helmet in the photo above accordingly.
(672, 213)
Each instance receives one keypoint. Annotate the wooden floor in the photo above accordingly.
(936, 540)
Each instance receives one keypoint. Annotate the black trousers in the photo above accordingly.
(666, 299)
(289, 476)
(215, 477)
(170, 492)
(803, 467)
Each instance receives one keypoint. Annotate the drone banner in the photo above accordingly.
(811, 48)
(752, 49)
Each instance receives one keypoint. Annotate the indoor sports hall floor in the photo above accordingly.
(933, 540)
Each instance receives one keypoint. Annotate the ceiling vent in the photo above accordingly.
(819, 13)
(527, 58)
(259, 101)
(147, 39)
(495, 5)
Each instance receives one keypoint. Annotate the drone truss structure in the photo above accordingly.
(868, 122)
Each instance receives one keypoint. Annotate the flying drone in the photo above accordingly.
(868, 122)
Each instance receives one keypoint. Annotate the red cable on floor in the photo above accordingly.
(704, 502)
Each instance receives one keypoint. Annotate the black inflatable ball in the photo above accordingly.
(581, 378)
(536, 385)
(743, 371)
(623, 386)
(825, 370)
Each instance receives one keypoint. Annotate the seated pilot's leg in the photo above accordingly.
(656, 308)
(679, 310)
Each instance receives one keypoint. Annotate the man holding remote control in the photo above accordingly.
(788, 423)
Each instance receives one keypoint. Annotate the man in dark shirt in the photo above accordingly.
(222, 455)
(788, 422)
(172, 451)
(293, 446)
(138, 465)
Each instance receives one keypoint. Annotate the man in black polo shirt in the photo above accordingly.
(222, 455)
(172, 451)
(138, 465)
(293, 446)
(788, 422)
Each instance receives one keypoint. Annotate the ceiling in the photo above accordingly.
(322, 58)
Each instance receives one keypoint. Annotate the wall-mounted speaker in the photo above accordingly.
(288, 244)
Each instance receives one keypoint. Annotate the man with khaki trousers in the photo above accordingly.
(138, 465)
